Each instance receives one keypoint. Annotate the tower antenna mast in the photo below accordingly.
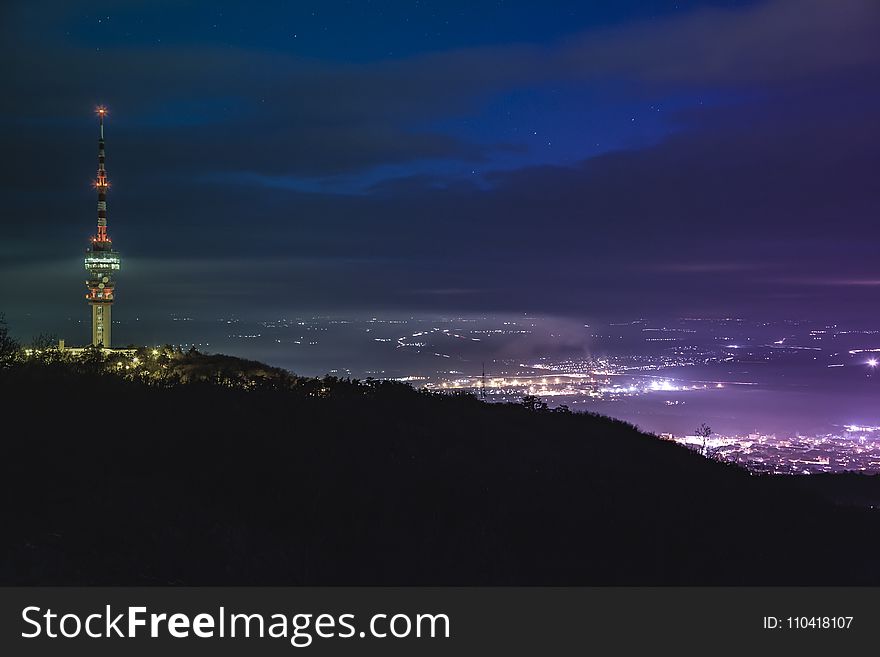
(101, 260)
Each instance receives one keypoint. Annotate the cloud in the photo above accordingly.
(834, 282)
(766, 42)
(706, 267)
(784, 179)
(272, 113)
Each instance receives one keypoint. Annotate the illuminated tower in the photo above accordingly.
(101, 260)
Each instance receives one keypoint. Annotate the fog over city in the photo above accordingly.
(783, 396)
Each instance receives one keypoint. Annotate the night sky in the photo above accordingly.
(581, 159)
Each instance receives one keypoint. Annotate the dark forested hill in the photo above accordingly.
(114, 480)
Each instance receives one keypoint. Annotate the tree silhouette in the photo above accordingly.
(704, 431)
(8, 345)
(533, 403)
(44, 341)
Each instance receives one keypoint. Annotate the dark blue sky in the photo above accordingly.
(574, 158)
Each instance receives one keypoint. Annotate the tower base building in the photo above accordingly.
(102, 324)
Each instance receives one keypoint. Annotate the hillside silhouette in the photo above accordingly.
(191, 469)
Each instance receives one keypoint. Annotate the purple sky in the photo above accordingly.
(715, 158)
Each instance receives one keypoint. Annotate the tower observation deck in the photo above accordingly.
(101, 261)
